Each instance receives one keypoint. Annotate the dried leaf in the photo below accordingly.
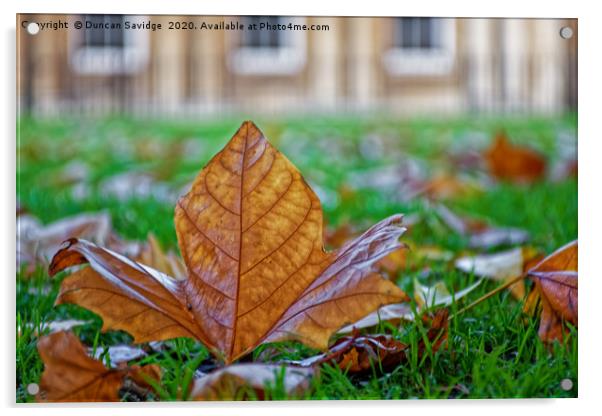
(128, 185)
(250, 233)
(357, 354)
(70, 375)
(118, 353)
(411, 257)
(55, 326)
(445, 186)
(438, 294)
(129, 296)
(556, 281)
(245, 381)
(37, 243)
(425, 296)
(393, 314)
(507, 161)
(154, 256)
(502, 266)
(480, 234)
(336, 237)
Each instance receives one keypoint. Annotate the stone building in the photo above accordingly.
(404, 65)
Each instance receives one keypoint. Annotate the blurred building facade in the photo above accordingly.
(403, 65)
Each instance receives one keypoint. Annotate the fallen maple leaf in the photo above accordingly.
(502, 266)
(425, 297)
(411, 257)
(243, 381)
(70, 375)
(481, 234)
(556, 282)
(514, 163)
(250, 234)
(52, 326)
(358, 353)
(118, 353)
(438, 294)
(37, 243)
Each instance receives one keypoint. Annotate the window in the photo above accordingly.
(421, 46)
(262, 38)
(268, 50)
(105, 47)
(417, 32)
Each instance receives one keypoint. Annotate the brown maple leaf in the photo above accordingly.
(514, 163)
(70, 375)
(556, 285)
(250, 234)
(358, 353)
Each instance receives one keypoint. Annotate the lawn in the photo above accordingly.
(135, 170)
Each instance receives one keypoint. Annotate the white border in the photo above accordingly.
(590, 199)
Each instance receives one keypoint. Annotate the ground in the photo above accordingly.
(493, 349)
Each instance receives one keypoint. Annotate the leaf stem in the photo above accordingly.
(488, 295)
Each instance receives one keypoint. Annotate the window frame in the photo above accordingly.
(287, 59)
(420, 61)
(130, 58)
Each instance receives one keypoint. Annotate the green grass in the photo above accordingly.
(493, 349)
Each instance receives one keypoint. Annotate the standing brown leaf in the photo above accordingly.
(70, 375)
(556, 282)
(243, 381)
(250, 234)
(514, 163)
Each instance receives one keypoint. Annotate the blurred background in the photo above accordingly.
(382, 115)
(398, 65)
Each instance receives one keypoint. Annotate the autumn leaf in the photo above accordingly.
(151, 254)
(438, 294)
(245, 381)
(502, 266)
(448, 186)
(359, 353)
(117, 353)
(37, 243)
(507, 161)
(70, 375)
(556, 283)
(425, 297)
(52, 326)
(411, 257)
(250, 234)
(480, 233)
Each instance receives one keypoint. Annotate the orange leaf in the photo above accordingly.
(556, 280)
(70, 375)
(169, 263)
(514, 163)
(250, 234)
